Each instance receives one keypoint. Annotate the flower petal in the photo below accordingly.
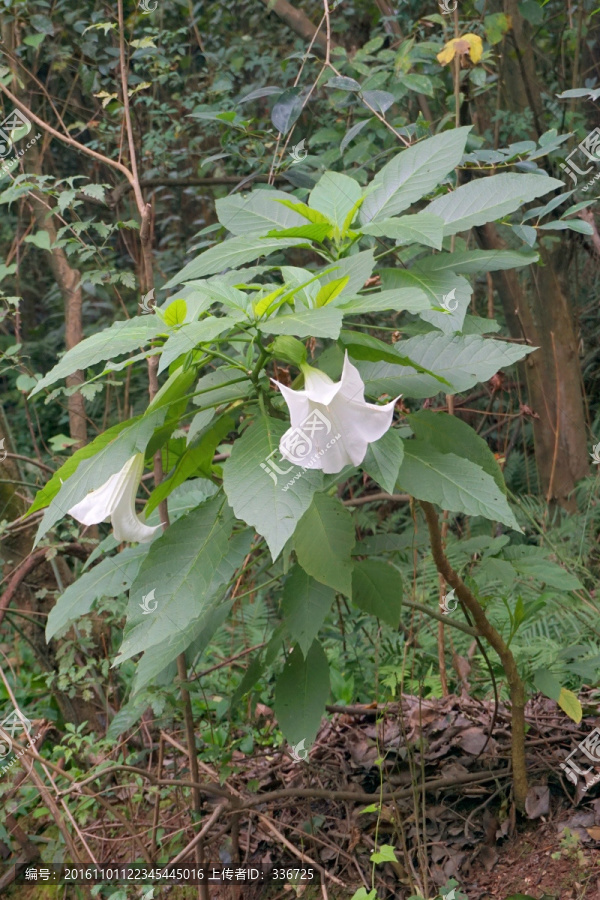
(99, 504)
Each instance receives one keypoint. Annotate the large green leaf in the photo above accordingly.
(189, 336)
(323, 542)
(448, 434)
(335, 195)
(230, 254)
(358, 268)
(257, 213)
(305, 603)
(437, 286)
(91, 473)
(453, 483)
(377, 589)
(412, 174)
(422, 228)
(182, 571)
(193, 640)
(489, 199)
(407, 299)
(256, 482)
(463, 360)
(111, 577)
(301, 693)
(471, 262)
(383, 460)
(533, 562)
(121, 337)
(323, 322)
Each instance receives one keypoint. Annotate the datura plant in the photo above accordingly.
(278, 398)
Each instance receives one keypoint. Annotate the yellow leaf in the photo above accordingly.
(570, 704)
(470, 44)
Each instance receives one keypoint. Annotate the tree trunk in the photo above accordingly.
(541, 315)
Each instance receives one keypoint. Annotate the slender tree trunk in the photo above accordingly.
(542, 316)
(539, 309)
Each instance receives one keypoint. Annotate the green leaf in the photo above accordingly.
(383, 460)
(448, 434)
(324, 322)
(386, 853)
(409, 299)
(121, 337)
(305, 603)
(310, 232)
(330, 291)
(110, 578)
(358, 268)
(436, 286)
(229, 255)
(189, 336)
(93, 472)
(184, 568)
(323, 541)
(532, 562)
(570, 704)
(175, 313)
(377, 589)
(301, 692)
(257, 213)
(496, 25)
(453, 483)
(306, 212)
(472, 262)
(255, 479)
(288, 349)
(363, 346)
(422, 228)
(380, 101)
(335, 195)
(34, 40)
(195, 461)
(419, 83)
(196, 638)
(412, 174)
(568, 225)
(343, 83)
(463, 360)
(547, 683)
(40, 239)
(489, 199)
(287, 109)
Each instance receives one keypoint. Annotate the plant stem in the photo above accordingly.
(494, 638)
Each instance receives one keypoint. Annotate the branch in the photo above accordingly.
(299, 22)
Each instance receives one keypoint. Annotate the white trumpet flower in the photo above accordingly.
(332, 424)
(116, 499)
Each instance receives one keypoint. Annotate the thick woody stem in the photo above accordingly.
(487, 630)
